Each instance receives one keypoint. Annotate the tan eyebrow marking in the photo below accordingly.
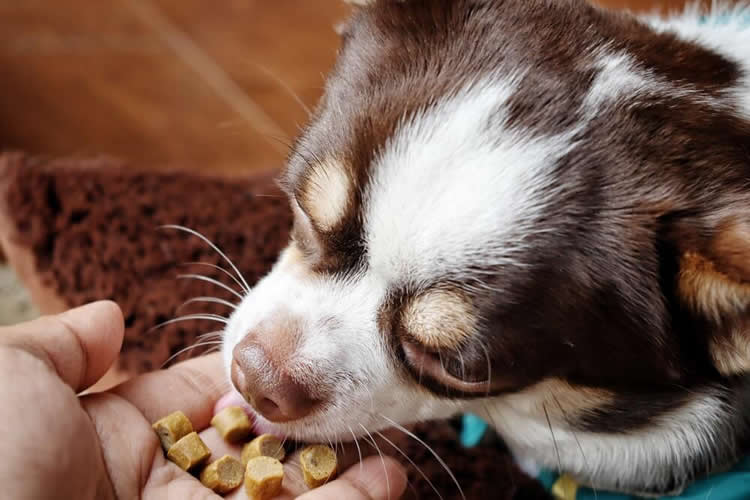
(726, 301)
(731, 353)
(325, 194)
(440, 319)
(710, 291)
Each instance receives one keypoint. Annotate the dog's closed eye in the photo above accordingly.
(448, 369)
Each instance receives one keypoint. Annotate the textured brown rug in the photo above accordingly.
(82, 230)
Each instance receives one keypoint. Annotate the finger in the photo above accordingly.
(79, 345)
(192, 387)
(376, 480)
(133, 457)
(123, 418)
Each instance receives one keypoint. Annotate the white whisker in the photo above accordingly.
(428, 448)
(489, 369)
(209, 280)
(212, 300)
(359, 450)
(285, 87)
(215, 334)
(191, 317)
(189, 348)
(220, 269)
(382, 460)
(214, 247)
(554, 441)
(434, 488)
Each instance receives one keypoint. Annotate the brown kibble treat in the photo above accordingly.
(265, 445)
(172, 428)
(232, 423)
(263, 478)
(318, 465)
(189, 452)
(223, 475)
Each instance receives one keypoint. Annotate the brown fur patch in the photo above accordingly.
(731, 249)
(709, 291)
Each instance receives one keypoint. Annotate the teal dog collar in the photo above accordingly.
(732, 485)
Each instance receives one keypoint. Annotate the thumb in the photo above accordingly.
(378, 479)
(79, 345)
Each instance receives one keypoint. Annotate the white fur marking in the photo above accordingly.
(646, 456)
(618, 78)
(454, 189)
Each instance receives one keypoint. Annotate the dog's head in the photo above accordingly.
(536, 210)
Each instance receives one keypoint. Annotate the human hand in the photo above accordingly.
(57, 444)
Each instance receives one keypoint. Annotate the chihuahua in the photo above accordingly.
(537, 211)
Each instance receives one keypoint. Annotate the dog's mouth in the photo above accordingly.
(260, 424)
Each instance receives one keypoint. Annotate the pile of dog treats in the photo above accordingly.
(260, 462)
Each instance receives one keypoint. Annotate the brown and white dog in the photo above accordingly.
(534, 210)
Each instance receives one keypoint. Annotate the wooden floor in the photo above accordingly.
(205, 85)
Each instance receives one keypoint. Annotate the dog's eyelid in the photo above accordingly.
(304, 232)
(302, 239)
(301, 216)
(422, 357)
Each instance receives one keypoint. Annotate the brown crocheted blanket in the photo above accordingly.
(82, 230)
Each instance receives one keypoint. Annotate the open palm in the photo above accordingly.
(57, 444)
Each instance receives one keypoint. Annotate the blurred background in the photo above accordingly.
(216, 86)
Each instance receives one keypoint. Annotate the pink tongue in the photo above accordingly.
(233, 399)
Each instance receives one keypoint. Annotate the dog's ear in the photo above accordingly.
(714, 282)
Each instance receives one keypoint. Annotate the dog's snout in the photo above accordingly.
(260, 372)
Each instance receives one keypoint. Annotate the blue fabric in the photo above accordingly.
(472, 430)
(726, 18)
(732, 485)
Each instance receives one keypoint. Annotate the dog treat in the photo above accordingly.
(172, 428)
(232, 423)
(265, 445)
(189, 452)
(318, 465)
(223, 475)
(263, 477)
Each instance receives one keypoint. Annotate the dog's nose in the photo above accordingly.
(259, 374)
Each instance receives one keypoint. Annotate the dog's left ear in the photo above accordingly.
(714, 281)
